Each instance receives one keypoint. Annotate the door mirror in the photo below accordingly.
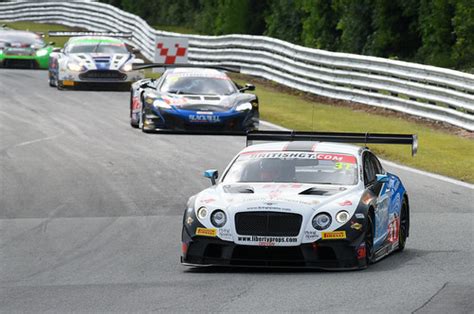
(382, 178)
(211, 174)
(51, 43)
(248, 86)
(56, 49)
(135, 50)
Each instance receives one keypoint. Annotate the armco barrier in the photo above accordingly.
(426, 91)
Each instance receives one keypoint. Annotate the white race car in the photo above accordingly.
(93, 60)
(300, 203)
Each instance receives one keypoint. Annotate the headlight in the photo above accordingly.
(127, 67)
(41, 52)
(161, 104)
(202, 212)
(218, 218)
(342, 216)
(244, 106)
(321, 221)
(73, 66)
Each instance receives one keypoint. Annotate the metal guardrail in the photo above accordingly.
(430, 92)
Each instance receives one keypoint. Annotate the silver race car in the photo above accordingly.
(93, 60)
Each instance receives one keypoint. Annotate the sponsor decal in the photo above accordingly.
(224, 233)
(149, 101)
(356, 226)
(189, 221)
(207, 232)
(359, 216)
(345, 203)
(361, 251)
(68, 83)
(267, 240)
(311, 235)
(337, 157)
(208, 200)
(333, 235)
(393, 230)
(199, 118)
(282, 186)
(269, 208)
(135, 103)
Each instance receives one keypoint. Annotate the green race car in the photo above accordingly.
(23, 49)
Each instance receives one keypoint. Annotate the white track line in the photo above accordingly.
(392, 164)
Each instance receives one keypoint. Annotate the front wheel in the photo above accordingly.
(403, 229)
(369, 240)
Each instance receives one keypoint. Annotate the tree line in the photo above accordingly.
(436, 32)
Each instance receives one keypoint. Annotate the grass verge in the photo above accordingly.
(440, 151)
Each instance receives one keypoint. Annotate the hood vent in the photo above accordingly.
(244, 189)
(320, 192)
(212, 98)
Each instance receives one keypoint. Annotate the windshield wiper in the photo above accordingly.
(96, 47)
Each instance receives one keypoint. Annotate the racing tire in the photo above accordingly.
(369, 240)
(403, 229)
(50, 80)
(59, 85)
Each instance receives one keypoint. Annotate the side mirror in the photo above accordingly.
(211, 174)
(56, 49)
(382, 178)
(248, 86)
(51, 43)
(135, 50)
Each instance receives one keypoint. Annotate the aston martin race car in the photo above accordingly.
(22, 49)
(307, 200)
(93, 60)
(193, 98)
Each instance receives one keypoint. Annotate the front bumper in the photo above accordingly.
(99, 77)
(172, 119)
(24, 62)
(329, 255)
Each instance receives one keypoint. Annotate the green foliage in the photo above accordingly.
(284, 20)
(437, 32)
(355, 24)
(463, 24)
(320, 26)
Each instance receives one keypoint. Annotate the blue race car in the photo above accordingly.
(193, 99)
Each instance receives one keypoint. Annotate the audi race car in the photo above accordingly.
(99, 59)
(193, 98)
(307, 200)
(23, 49)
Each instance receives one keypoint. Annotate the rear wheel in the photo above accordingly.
(59, 84)
(369, 240)
(403, 230)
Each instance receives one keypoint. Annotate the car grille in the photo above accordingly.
(204, 107)
(103, 75)
(268, 224)
(19, 52)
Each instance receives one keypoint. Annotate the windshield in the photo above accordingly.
(19, 38)
(300, 167)
(198, 85)
(99, 47)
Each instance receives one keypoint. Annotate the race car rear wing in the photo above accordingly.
(108, 34)
(337, 137)
(234, 69)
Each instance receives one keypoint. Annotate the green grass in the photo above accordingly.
(439, 151)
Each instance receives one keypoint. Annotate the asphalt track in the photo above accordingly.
(91, 209)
